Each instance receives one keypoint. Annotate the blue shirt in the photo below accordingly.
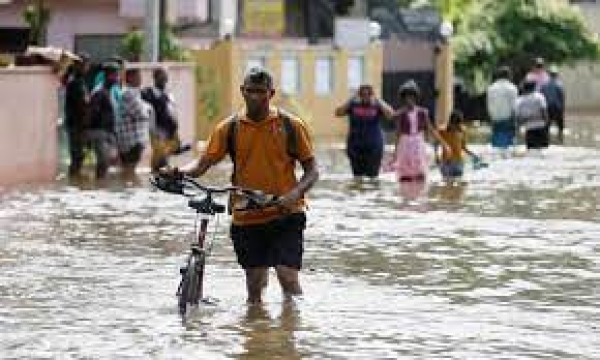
(365, 123)
(554, 94)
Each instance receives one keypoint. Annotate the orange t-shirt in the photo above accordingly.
(262, 160)
(455, 139)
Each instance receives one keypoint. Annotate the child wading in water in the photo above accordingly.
(452, 163)
(410, 160)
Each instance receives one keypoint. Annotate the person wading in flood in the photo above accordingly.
(364, 145)
(264, 144)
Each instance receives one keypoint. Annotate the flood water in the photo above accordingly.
(504, 266)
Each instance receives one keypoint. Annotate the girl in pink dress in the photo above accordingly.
(410, 160)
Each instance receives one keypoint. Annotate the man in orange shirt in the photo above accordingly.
(270, 237)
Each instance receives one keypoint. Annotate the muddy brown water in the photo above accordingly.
(504, 266)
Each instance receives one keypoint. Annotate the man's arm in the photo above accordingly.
(198, 167)
(343, 109)
(309, 178)
(387, 110)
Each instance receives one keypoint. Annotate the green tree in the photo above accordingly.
(37, 16)
(132, 46)
(169, 47)
(491, 33)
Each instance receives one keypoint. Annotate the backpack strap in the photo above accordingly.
(290, 131)
(231, 142)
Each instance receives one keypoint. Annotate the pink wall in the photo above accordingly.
(71, 17)
(28, 120)
(78, 18)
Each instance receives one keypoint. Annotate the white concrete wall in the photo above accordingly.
(582, 82)
(582, 86)
(28, 124)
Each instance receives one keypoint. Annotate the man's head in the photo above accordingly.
(133, 78)
(257, 90)
(82, 64)
(539, 63)
(365, 93)
(456, 119)
(529, 86)
(503, 72)
(409, 92)
(553, 71)
(111, 73)
(161, 77)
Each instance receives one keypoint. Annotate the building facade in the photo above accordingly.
(97, 26)
(582, 82)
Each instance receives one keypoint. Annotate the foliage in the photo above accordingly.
(133, 44)
(208, 93)
(513, 32)
(170, 49)
(37, 16)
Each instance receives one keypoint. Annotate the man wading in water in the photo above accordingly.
(264, 143)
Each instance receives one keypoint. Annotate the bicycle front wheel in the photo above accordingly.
(191, 284)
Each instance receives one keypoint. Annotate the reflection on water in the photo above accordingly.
(273, 334)
(504, 265)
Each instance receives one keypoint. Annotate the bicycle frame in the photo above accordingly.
(191, 285)
(190, 290)
(202, 251)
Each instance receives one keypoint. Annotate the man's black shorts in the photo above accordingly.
(277, 242)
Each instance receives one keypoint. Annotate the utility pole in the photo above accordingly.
(444, 66)
(152, 30)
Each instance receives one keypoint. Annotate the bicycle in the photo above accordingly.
(190, 289)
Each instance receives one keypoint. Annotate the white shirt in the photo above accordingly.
(529, 110)
(501, 98)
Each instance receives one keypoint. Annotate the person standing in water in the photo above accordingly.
(364, 144)
(455, 135)
(532, 112)
(501, 98)
(410, 160)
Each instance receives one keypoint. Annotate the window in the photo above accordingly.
(99, 47)
(290, 75)
(324, 76)
(356, 72)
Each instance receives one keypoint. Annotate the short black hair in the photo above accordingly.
(456, 117)
(258, 75)
(529, 86)
(159, 70)
(111, 67)
(365, 87)
(503, 72)
(131, 71)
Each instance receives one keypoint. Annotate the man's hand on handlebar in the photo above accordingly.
(289, 200)
(171, 173)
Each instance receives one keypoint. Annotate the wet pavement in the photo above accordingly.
(503, 266)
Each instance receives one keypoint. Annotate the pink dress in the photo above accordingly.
(411, 158)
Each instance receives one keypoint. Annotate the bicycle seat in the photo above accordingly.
(206, 206)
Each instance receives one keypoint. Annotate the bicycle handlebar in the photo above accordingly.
(177, 185)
